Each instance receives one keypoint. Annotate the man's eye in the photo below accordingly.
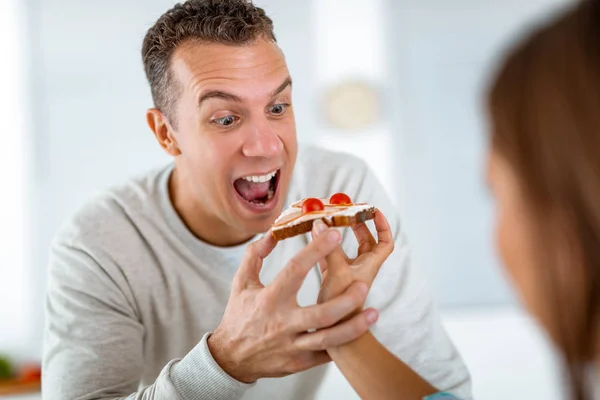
(225, 121)
(278, 109)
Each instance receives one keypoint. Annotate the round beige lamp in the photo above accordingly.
(351, 105)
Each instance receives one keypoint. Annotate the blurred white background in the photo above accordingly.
(72, 101)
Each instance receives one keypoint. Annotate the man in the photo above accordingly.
(157, 288)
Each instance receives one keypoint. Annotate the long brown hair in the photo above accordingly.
(545, 114)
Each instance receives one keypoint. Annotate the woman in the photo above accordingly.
(544, 172)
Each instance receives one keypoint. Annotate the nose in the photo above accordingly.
(263, 141)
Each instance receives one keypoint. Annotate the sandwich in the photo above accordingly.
(337, 211)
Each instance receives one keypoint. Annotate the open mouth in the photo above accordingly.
(257, 190)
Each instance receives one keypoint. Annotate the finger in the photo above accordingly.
(310, 359)
(248, 273)
(366, 241)
(383, 248)
(337, 257)
(318, 228)
(385, 238)
(339, 334)
(290, 279)
(336, 260)
(331, 312)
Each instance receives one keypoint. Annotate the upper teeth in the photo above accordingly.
(260, 178)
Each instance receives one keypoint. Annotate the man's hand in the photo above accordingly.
(265, 333)
(340, 272)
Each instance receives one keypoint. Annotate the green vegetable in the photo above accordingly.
(6, 368)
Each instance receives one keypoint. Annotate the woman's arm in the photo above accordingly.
(375, 373)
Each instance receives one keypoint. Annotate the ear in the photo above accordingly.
(163, 131)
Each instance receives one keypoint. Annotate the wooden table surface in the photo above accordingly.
(10, 387)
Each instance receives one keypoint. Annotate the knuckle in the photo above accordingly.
(323, 342)
(356, 298)
(385, 249)
(316, 247)
(251, 250)
(323, 244)
(274, 330)
(326, 318)
(390, 247)
(318, 341)
(294, 266)
(359, 327)
(352, 331)
(237, 284)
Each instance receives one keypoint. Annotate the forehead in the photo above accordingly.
(258, 67)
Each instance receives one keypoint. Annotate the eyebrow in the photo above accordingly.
(287, 82)
(217, 94)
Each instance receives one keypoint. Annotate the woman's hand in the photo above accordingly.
(371, 369)
(339, 271)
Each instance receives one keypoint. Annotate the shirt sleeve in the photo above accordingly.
(441, 396)
(93, 341)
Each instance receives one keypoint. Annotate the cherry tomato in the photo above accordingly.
(311, 205)
(341, 199)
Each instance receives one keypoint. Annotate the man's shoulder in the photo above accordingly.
(326, 161)
(320, 172)
(114, 209)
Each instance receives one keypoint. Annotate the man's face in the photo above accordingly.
(234, 127)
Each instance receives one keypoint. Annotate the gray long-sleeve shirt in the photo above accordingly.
(133, 295)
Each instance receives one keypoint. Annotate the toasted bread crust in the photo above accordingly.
(335, 221)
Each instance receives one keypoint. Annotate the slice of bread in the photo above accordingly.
(294, 221)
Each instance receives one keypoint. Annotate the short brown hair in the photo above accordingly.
(545, 109)
(231, 22)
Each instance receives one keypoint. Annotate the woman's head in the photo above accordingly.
(545, 173)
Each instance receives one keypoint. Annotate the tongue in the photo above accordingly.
(252, 191)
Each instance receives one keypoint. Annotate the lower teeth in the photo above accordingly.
(269, 196)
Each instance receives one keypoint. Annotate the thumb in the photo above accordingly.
(248, 273)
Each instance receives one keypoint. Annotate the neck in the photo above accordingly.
(203, 224)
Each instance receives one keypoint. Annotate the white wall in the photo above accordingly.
(440, 54)
(350, 45)
(15, 296)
